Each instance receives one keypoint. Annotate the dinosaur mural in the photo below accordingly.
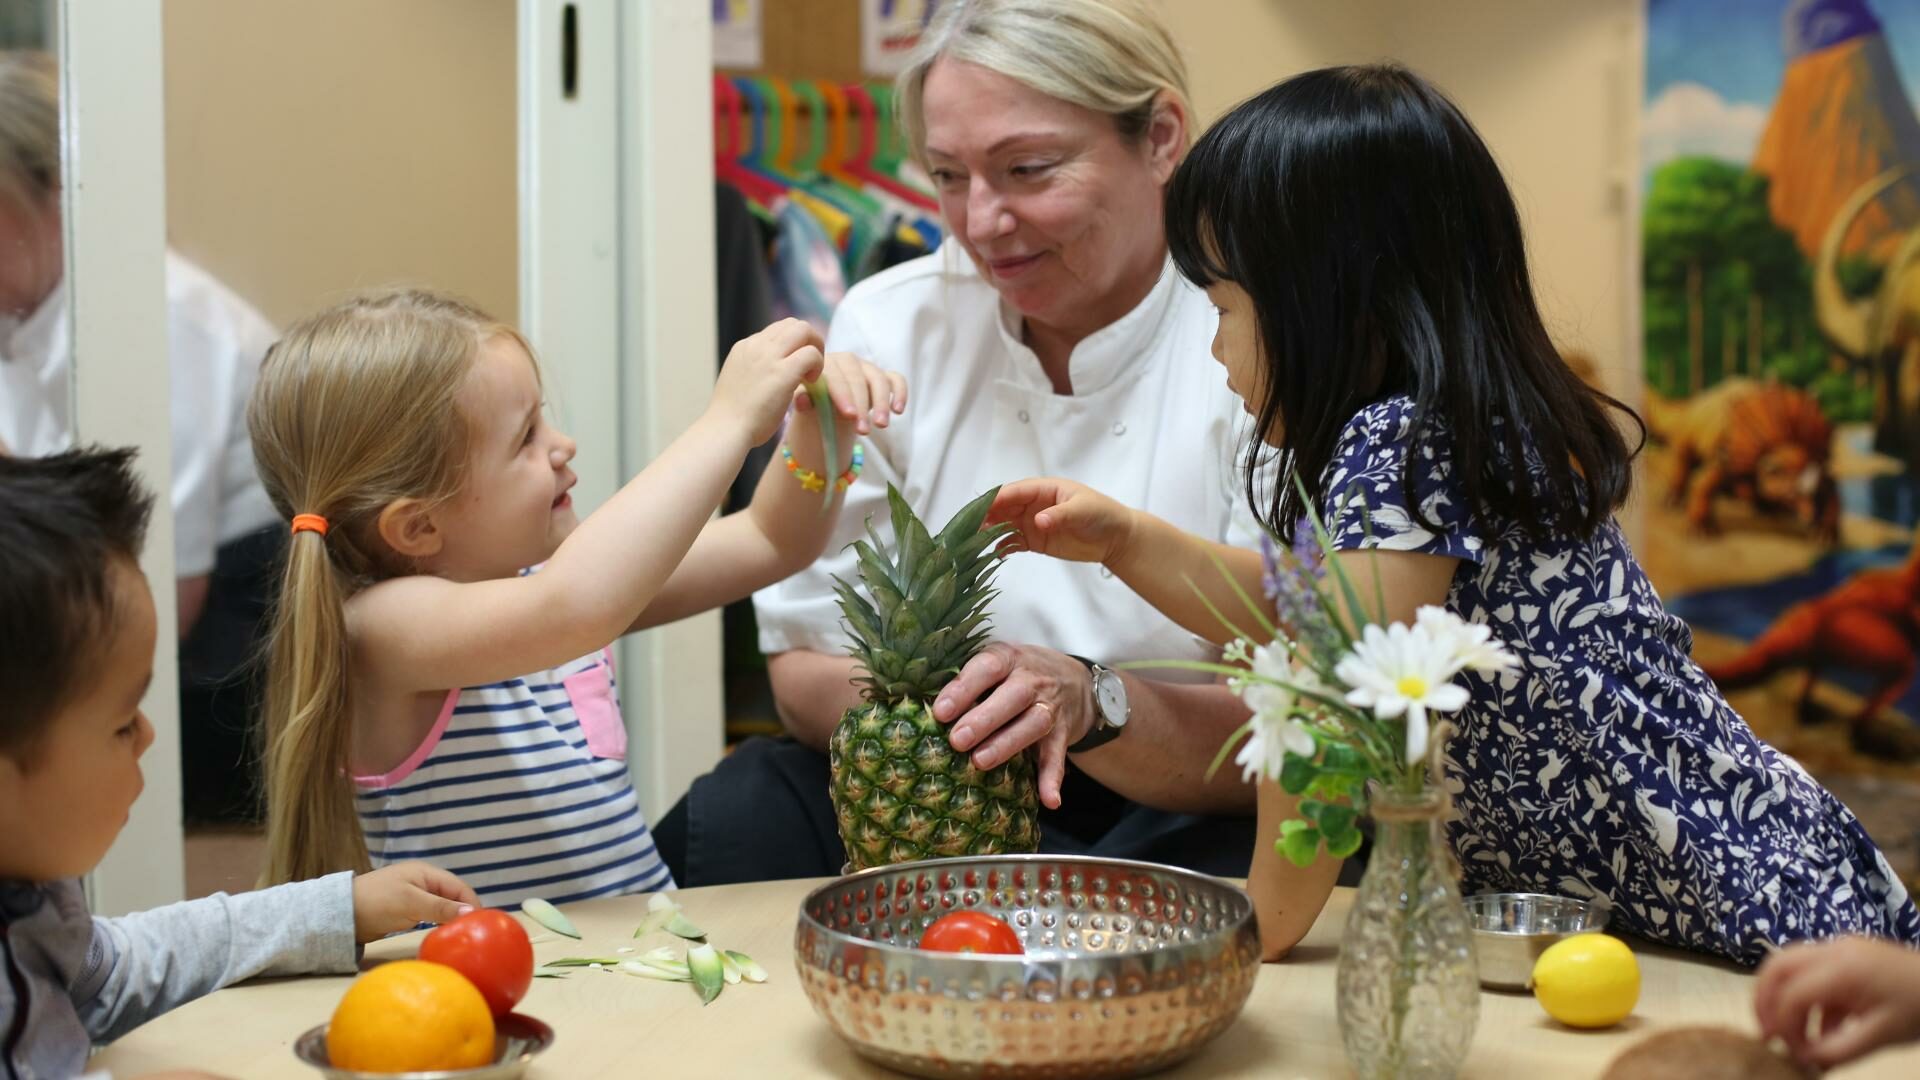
(1881, 330)
(1870, 625)
(1762, 443)
(1780, 244)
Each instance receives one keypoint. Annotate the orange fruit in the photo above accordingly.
(410, 1016)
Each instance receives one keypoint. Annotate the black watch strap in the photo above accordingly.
(1101, 733)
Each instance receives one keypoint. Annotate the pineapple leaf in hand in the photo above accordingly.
(829, 444)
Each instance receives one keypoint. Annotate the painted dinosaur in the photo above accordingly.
(1763, 443)
(1869, 624)
(1881, 330)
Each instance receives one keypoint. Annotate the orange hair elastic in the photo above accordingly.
(309, 523)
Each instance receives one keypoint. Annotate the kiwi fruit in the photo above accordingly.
(1702, 1053)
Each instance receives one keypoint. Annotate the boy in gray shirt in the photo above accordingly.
(76, 653)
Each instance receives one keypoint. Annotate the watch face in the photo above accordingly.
(1112, 696)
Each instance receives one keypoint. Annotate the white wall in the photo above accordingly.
(318, 148)
(1554, 87)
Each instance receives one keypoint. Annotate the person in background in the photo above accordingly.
(222, 522)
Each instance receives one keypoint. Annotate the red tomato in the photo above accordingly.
(491, 949)
(971, 931)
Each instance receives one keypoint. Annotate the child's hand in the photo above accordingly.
(861, 392)
(1867, 991)
(758, 379)
(1064, 519)
(404, 895)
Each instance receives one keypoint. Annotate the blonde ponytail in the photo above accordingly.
(312, 829)
(355, 408)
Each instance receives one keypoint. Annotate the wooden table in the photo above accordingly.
(615, 1025)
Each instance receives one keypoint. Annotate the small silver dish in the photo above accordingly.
(517, 1040)
(1511, 930)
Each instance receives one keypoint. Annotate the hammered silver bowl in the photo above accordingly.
(1129, 966)
(1511, 930)
(517, 1039)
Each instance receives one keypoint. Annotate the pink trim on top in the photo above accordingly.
(419, 756)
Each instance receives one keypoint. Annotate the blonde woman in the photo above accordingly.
(223, 544)
(429, 698)
(1048, 333)
(214, 341)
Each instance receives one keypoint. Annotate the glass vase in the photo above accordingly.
(1409, 992)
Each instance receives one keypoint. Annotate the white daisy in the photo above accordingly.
(1402, 672)
(1471, 645)
(1270, 692)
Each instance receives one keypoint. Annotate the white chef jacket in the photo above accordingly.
(215, 341)
(1150, 423)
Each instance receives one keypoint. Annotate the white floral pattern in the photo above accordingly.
(1607, 764)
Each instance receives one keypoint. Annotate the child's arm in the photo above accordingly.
(423, 632)
(150, 962)
(1157, 560)
(1867, 991)
(783, 530)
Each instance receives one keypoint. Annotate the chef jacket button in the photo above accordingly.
(1119, 428)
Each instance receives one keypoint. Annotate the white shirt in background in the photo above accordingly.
(215, 341)
(1150, 423)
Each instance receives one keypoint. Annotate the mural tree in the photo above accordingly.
(1727, 290)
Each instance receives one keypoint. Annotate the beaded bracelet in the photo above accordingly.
(813, 481)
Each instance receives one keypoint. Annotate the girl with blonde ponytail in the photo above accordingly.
(428, 696)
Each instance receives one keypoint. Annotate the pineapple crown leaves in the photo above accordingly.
(925, 612)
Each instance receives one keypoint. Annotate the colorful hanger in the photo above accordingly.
(865, 110)
(726, 147)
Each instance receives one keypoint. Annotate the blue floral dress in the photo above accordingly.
(1609, 765)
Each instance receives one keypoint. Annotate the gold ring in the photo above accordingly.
(1050, 716)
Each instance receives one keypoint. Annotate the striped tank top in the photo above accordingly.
(521, 789)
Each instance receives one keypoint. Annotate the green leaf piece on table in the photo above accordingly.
(648, 971)
(549, 916)
(681, 926)
(708, 974)
(749, 970)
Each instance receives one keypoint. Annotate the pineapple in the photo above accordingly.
(900, 790)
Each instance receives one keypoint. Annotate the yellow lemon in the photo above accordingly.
(1587, 981)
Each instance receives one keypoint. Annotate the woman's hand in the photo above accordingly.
(404, 895)
(1021, 696)
(1867, 991)
(1065, 520)
(868, 395)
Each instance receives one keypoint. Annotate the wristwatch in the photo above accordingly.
(1110, 701)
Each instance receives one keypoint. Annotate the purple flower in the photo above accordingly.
(1292, 577)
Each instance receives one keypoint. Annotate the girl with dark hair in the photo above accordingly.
(1377, 319)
